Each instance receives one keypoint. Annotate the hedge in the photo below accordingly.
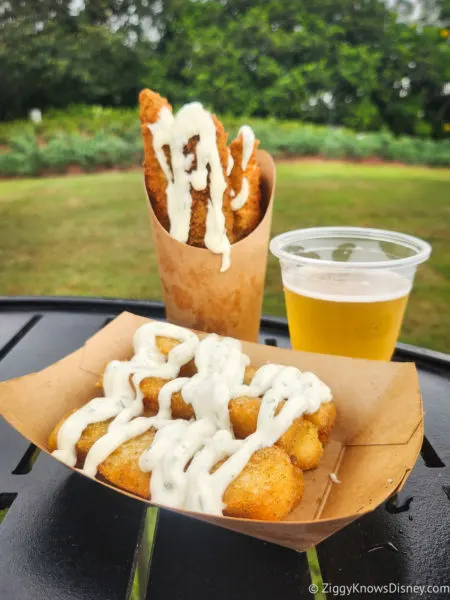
(96, 137)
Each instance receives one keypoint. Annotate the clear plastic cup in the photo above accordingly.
(346, 288)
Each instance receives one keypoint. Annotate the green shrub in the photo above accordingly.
(96, 137)
(58, 154)
(23, 157)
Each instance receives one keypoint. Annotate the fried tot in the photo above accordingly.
(250, 372)
(301, 441)
(302, 444)
(244, 415)
(121, 468)
(324, 419)
(151, 386)
(165, 345)
(151, 104)
(268, 488)
(90, 435)
(249, 215)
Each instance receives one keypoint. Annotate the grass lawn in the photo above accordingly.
(89, 234)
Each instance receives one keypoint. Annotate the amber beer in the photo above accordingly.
(346, 288)
(356, 314)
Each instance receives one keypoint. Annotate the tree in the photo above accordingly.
(364, 64)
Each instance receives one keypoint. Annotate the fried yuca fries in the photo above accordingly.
(198, 462)
(301, 441)
(121, 468)
(268, 488)
(91, 434)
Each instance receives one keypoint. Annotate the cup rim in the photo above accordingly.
(422, 248)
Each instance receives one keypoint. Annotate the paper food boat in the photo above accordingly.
(197, 295)
(372, 450)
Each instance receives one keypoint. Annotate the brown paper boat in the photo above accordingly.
(197, 294)
(373, 448)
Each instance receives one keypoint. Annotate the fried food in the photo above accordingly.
(241, 196)
(121, 468)
(302, 444)
(90, 435)
(248, 465)
(151, 104)
(268, 488)
(244, 415)
(201, 198)
(303, 441)
(249, 373)
(245, 183)
(165, 345)
(324, 419)
(151, 386)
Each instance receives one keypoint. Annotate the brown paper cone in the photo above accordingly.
(197, 294)
(373, 448)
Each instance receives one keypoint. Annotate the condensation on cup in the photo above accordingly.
(346, 288)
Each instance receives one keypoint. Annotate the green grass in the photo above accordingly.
(89, 234)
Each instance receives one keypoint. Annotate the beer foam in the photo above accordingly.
(346, 286)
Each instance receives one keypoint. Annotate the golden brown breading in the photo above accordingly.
(246, 218)
(301, 441)
(90, 435)
(155, 181)
(324, 419)
(150, 105)
(250, 372)
(244, 415)
(121, 468)
(200, 198)
(268, 488)
(165, 345)
(150, 388)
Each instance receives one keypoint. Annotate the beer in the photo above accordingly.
(355, 313)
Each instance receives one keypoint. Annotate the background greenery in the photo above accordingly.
(89, 234)
(92, 137)
(364, 64)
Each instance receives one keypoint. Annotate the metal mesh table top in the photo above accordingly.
(62, 536)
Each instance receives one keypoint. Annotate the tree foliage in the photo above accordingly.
(358, 63)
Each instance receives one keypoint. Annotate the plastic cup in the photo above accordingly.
(346, 288)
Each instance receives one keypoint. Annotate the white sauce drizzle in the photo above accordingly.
(230, 164)
(248, 143)
(241, 198)
(183, 453)
(175, 132)
(121, 400)
(334, 478)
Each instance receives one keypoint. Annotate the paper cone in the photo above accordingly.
(197, 294)
(373, 448)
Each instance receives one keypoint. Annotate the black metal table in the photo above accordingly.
(63, 537)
